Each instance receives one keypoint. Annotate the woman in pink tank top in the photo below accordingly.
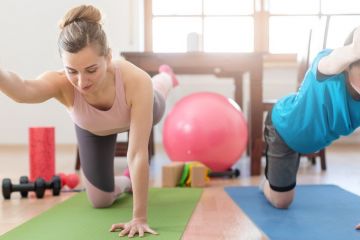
(103, 97)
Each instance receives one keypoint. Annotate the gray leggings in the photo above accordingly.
(282, 163)
(97, 156)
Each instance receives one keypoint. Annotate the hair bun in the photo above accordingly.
(87, 13)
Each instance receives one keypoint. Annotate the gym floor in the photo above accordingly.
(222, 218)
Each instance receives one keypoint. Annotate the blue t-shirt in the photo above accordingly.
(319, 113)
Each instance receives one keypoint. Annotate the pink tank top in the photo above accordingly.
(100, 122)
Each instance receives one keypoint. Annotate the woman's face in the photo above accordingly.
(86, 70)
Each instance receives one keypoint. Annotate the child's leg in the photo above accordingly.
(97, 162)
(282, 164)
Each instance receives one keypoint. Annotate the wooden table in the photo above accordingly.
(232, 65)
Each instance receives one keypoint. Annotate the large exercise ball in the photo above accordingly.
(205, 127)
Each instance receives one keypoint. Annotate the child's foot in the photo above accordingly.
(126, 173)
(167, 69)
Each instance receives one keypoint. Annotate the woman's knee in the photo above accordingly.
(99, 201)
(98, 198)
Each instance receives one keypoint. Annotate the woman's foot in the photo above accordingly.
(126, 173)
(167, 69)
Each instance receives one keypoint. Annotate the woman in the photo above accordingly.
(103, 97)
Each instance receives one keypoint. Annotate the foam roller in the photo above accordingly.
(42, 152)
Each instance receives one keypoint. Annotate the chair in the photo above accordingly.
(315, 42)
(121, 149)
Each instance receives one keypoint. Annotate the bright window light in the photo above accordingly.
(338, 7)
(176, 7)
(228, 34)
(287, 33)
(339, 28)
(170, 33)
(216, 7)
(294, 6)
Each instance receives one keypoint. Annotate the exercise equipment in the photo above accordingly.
(70, 180)
(78, 220)
(208, 128)
(189, 174)
(230, 173)
(54, 185)
(23, 180)
(318, 211)
(25, 186)
(42, 152)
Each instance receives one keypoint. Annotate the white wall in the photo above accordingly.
(28, 46)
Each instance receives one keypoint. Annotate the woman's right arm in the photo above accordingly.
(46, 86)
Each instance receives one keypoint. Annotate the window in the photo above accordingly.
(289, 22)
(339, 28)
(272, 26)
(221, 26)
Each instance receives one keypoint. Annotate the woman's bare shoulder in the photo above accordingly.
(56, 76)
(136, 81)
(129, 71)
(60, 80)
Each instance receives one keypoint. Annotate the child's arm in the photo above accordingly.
(46, 86)
(340, 58)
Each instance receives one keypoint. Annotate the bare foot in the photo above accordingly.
(167, 69)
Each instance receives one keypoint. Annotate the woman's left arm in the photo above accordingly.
(141, 117)
(139, 95)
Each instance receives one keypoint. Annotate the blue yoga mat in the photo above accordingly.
(318, 212)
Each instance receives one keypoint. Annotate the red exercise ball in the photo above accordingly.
(205, 127)
(63, 178)
(72, 180)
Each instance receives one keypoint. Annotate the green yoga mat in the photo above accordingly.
(169, 212)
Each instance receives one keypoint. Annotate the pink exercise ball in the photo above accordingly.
(208, 128)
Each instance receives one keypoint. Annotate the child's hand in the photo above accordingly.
(133, 227)
(357, 227)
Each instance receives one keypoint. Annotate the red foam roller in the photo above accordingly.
(42, 152)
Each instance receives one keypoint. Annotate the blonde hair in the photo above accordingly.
(80, 27)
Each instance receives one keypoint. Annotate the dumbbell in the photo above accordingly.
(55, 185)
(24, 187)
(230, 173)
(39, 187)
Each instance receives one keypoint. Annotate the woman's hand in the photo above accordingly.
(133, 227)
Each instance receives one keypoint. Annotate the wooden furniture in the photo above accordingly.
(233, 65)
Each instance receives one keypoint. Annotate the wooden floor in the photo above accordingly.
(215, 217)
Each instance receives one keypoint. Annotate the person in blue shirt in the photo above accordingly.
(326, 106)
